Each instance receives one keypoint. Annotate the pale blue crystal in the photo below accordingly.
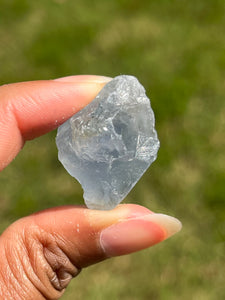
(109, 144)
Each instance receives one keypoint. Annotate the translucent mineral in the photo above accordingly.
(109, 144)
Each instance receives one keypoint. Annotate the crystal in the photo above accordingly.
(110, 143)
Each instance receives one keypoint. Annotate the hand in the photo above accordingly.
(41, 253)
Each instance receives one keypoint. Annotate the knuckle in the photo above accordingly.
(51, 264)
(36, 266)
(61, 269)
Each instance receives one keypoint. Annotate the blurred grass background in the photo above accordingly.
(177, 50)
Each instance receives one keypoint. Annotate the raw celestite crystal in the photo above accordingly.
(109, 144)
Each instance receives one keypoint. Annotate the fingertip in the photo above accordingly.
(31, 109)
(169, 224)
(134, 234)
(84, 78)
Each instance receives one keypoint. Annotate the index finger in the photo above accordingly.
(30, 109)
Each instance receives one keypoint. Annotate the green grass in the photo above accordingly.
(176, 49)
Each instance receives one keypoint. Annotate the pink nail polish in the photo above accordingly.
(137, 233)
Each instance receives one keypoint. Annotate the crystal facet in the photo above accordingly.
(109, 144)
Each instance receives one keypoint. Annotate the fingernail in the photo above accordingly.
(85, 78)
(170, 224)
(137, 233)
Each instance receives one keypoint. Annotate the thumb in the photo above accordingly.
(41, 253)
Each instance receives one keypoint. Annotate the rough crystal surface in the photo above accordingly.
(109, 144)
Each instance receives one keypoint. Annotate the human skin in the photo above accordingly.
(42, 252)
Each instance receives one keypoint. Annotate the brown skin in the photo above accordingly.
(41, 253)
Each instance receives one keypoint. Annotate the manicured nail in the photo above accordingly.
(170, 224)
(85, 79)
(137, 233)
